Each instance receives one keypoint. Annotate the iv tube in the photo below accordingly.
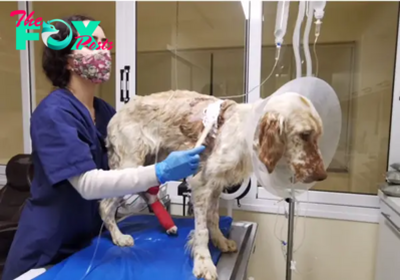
(306, 46)
(296, 38)
(318, 7)
(282, 15)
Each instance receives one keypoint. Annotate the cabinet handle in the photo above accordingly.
(387, 216)
(121, 98)
(127, 72)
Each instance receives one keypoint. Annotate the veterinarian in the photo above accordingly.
(68, 129)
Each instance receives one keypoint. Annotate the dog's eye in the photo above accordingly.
(305, 135)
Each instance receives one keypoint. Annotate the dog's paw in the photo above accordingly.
(173, 230)
(205, 268)
(124, 240)
(225, 245)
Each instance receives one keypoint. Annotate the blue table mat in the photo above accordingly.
(154, 256)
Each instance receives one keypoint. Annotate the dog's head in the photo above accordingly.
(291, 129)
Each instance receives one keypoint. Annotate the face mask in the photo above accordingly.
(93, 66)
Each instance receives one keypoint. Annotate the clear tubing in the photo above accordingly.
(318, 7)
(317, 28)
(306, 46)
(296, 38)
(277, 55)
(316, 55)
(282, 15)
(94, 253)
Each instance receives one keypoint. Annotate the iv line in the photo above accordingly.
(306, 47)
(94, 254)
(278, 51)
(316, 56)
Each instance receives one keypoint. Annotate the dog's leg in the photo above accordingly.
(162, 215)
(203, 265)
(218, 239)
(108, 209)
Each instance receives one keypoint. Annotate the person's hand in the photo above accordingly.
(179, 165)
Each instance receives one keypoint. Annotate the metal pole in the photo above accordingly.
(289, 251)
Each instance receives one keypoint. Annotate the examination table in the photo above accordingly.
(155, 255)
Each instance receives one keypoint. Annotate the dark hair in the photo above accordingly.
(54, 62)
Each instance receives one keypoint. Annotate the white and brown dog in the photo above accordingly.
(155, 124)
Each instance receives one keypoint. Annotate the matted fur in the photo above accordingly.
(151, 123)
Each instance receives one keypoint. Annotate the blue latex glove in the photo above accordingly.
(179, 165)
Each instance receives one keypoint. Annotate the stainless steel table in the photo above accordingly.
(234, 266)
(231, 266)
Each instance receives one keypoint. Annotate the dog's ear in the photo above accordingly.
(271, 140)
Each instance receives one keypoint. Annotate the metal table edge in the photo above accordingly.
(238, 267)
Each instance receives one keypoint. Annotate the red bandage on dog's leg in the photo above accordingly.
(162, 215)
(153, 190)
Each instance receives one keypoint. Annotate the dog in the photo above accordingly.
(152, 126)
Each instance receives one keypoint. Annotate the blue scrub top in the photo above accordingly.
(56, 221)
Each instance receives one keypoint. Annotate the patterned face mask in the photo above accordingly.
(93, 66)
